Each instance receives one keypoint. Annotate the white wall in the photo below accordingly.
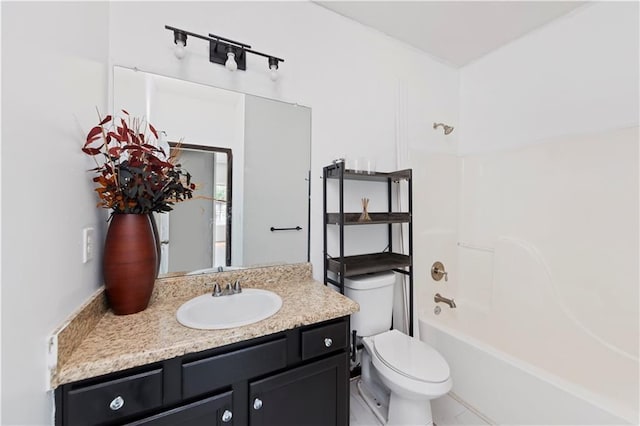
(369, 95)
(54, 75)
(579, 74)
(349, 75)
(549, 155)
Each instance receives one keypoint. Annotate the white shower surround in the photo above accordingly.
(545, 276)
(527, 360)
(543, 256)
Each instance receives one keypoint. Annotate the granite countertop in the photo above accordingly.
(116, 342)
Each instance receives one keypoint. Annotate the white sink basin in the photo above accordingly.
(215, 313)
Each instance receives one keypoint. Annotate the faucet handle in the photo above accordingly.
(229, 289)
(236, 287)
(217, 291)
(437, 272)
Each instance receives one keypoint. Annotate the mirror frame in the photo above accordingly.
(179, 145)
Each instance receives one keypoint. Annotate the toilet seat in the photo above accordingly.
(411, 370)
(410, 357)
(414, 378)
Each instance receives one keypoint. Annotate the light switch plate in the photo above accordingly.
(87, 244)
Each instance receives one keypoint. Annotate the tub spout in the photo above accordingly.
(437, 298)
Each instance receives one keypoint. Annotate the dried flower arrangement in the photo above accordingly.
(134, 174)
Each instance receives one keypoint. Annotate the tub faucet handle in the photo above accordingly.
(437, 272)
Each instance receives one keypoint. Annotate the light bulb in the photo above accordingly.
(273, 68)
(180, 50)
(231, 62)
(274, 72)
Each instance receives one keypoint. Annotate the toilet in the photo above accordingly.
(400, 374)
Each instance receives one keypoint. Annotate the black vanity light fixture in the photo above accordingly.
(230, 53)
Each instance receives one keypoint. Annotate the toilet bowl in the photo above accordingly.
(414, 373)
(398, 371)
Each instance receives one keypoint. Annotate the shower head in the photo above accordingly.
(447, 129)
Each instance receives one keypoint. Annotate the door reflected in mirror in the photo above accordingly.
(250, 159)
(196, 235)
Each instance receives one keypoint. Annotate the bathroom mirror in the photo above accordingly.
(250, 159)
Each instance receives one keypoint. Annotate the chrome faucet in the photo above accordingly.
(437, 298)
(229, 289)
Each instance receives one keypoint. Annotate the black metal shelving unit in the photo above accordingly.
(346, 266)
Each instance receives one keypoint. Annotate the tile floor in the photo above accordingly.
(446, 412)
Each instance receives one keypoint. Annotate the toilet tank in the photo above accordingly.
(374, 294)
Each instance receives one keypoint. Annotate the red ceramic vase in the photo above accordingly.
(130, 263)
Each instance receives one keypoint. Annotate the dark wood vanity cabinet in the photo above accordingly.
(313, 394)
(297, 377)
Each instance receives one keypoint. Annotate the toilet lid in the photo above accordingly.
(411, 357)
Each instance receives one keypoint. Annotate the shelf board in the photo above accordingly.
(368, 263)
(333, 172)
(376, 218)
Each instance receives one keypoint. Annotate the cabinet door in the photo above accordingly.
(214, 411)
(314, 394)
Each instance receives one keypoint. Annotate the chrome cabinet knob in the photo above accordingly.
(117, 403)
(328, 342)
(257, 404)
(227, 416)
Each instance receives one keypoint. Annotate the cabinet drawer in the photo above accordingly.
(210, 374)
(325, 339)
(216, 410)
(114, 399)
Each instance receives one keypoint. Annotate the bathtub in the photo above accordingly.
(525, 360)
